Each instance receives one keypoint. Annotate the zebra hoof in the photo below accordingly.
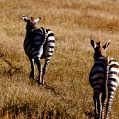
(40, 83)
(31, 75)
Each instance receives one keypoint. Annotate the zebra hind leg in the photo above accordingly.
(44, 69)
(108, 106)
(40, 81)
(104, 103)
(98, 106)
(32, 73)
(95, 104)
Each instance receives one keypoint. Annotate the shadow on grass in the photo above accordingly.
(89, 114)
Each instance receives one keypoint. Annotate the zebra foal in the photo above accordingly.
(39, 44)
(104, 78)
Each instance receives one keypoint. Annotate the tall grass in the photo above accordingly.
(67, 93)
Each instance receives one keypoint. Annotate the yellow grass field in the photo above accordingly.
(67, 93)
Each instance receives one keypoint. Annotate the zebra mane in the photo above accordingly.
(99, 43)
(100, 48)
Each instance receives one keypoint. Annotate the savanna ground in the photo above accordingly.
(67, 93)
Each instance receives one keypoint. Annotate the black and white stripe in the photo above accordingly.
(104, 78)
(39, 44)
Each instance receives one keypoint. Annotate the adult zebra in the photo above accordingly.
(104, 78)
(39, 44)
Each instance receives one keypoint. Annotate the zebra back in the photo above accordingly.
(99, 75)
(38, 37)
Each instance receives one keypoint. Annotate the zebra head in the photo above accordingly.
(30, 22)
(99, 50)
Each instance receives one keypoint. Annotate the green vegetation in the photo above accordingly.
(67, 93)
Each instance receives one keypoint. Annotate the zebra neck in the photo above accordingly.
(28, 30)
(101, 59)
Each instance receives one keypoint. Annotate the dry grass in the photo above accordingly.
(67, 93)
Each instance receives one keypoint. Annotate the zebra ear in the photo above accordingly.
(37, 20)
(92, 43)
(25, 18)
(106, 44)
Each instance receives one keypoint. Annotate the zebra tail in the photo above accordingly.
(105, 88)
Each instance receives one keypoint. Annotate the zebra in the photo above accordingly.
(104, 79)
(39, 43)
